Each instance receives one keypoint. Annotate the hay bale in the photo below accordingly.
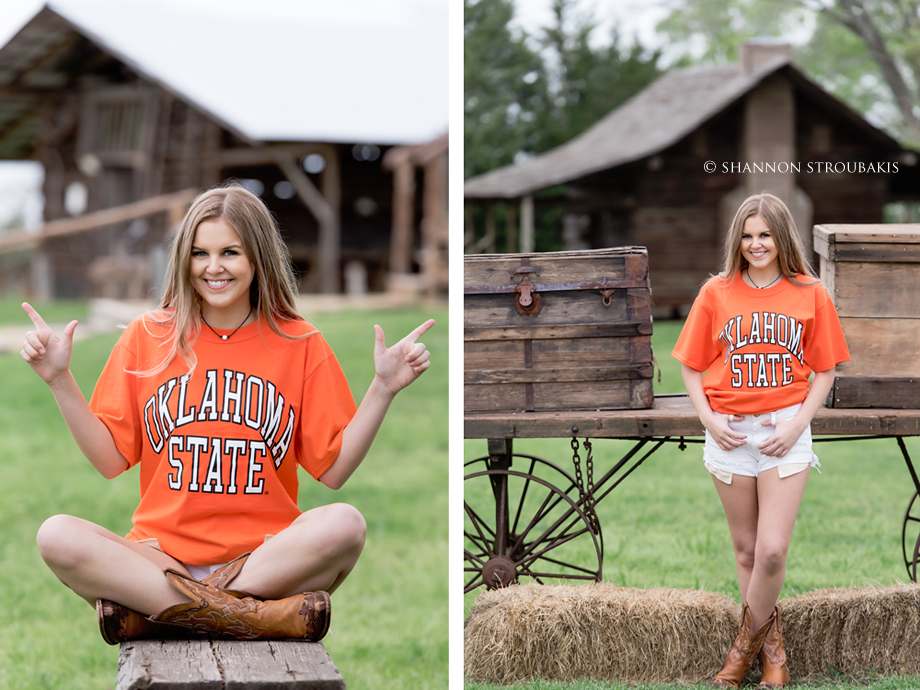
(598, 631)
(857, 631)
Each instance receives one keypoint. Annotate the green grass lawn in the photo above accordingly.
(664, 526)
(390, 624)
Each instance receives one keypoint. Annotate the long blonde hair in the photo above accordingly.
(274, 285)
(789, 250)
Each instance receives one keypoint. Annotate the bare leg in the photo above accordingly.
(779, 501)
(739, 500)
(317, 552)
(97, 564)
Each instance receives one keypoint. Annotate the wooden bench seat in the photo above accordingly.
(212, 664)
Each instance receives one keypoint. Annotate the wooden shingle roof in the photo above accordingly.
(654, 119)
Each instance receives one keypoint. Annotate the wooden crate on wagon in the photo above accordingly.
(872, 273)
(557, 331)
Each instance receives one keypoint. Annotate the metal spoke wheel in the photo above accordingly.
(526, 525)
(910, 537)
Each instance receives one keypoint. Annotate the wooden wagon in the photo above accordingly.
(538, 520)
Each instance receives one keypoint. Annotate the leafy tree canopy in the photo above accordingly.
(866, 52)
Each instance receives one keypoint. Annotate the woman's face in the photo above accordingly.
(757, 244)
(221, 273)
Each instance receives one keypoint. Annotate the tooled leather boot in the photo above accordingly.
(773, 657)
(211, 609)
(743, 652)
(119, 623)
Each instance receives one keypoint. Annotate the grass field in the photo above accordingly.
(390, 624)
(664, 526)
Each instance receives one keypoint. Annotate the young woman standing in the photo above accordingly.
(758, 330)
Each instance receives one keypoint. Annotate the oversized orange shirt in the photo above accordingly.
(219, 451)
(759, 347)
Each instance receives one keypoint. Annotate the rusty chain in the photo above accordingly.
(586, 490)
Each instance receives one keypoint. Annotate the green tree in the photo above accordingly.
(866, 52)
(504, 84)
(587, 82)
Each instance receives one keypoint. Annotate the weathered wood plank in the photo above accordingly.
(673, 416)
(212, 664)
(281, 664)
(554, 267)
(881, 347)
(874, 289)
(876, 392)
(908, 233)
(168, 665)
(559, 308)
(559, 375)
(587, 330)
(576, 395)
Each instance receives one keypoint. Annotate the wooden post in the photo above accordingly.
(489, 239)
(403, 203)
(527, 231)
(330, 250)
(510, 228)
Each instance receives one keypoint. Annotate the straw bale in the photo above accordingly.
(856, 631)
(606, 632)
(598, 631)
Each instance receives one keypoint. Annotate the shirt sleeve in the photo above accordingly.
(696, 347)
(114, 400)
(827, 347)
(327, 408)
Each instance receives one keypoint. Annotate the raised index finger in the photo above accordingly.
(416, 334)
(34, 315)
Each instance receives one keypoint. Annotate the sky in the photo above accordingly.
(633, 18)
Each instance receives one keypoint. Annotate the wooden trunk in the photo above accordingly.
(557, 331)
(873, 275)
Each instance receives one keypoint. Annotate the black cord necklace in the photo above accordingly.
(759, 287)
(224, 337)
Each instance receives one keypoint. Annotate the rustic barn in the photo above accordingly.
(132, 107)
(669, 167)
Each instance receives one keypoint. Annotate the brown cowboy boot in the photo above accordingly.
(302, 616)
(118, 623)
(743, 652)
(773, 657)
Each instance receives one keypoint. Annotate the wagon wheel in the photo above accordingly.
(521, 525)
(910, 543)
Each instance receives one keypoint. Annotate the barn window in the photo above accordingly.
(118, 125)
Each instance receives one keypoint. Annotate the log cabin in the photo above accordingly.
(668, 168)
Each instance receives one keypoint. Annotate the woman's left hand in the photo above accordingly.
(783, 439)
(400, 365)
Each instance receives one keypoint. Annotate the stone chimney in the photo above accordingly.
(761, 51)
(768, 139)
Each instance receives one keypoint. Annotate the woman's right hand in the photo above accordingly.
(722, 433)
(47, 353)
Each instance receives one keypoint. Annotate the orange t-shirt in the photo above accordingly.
(759, 347)
(219, 451)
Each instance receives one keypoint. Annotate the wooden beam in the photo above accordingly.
(268, 155)
(306, 190)
(21, 239)
(324, 208)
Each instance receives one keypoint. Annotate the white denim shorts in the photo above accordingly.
(747, 460)
(199, 572)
